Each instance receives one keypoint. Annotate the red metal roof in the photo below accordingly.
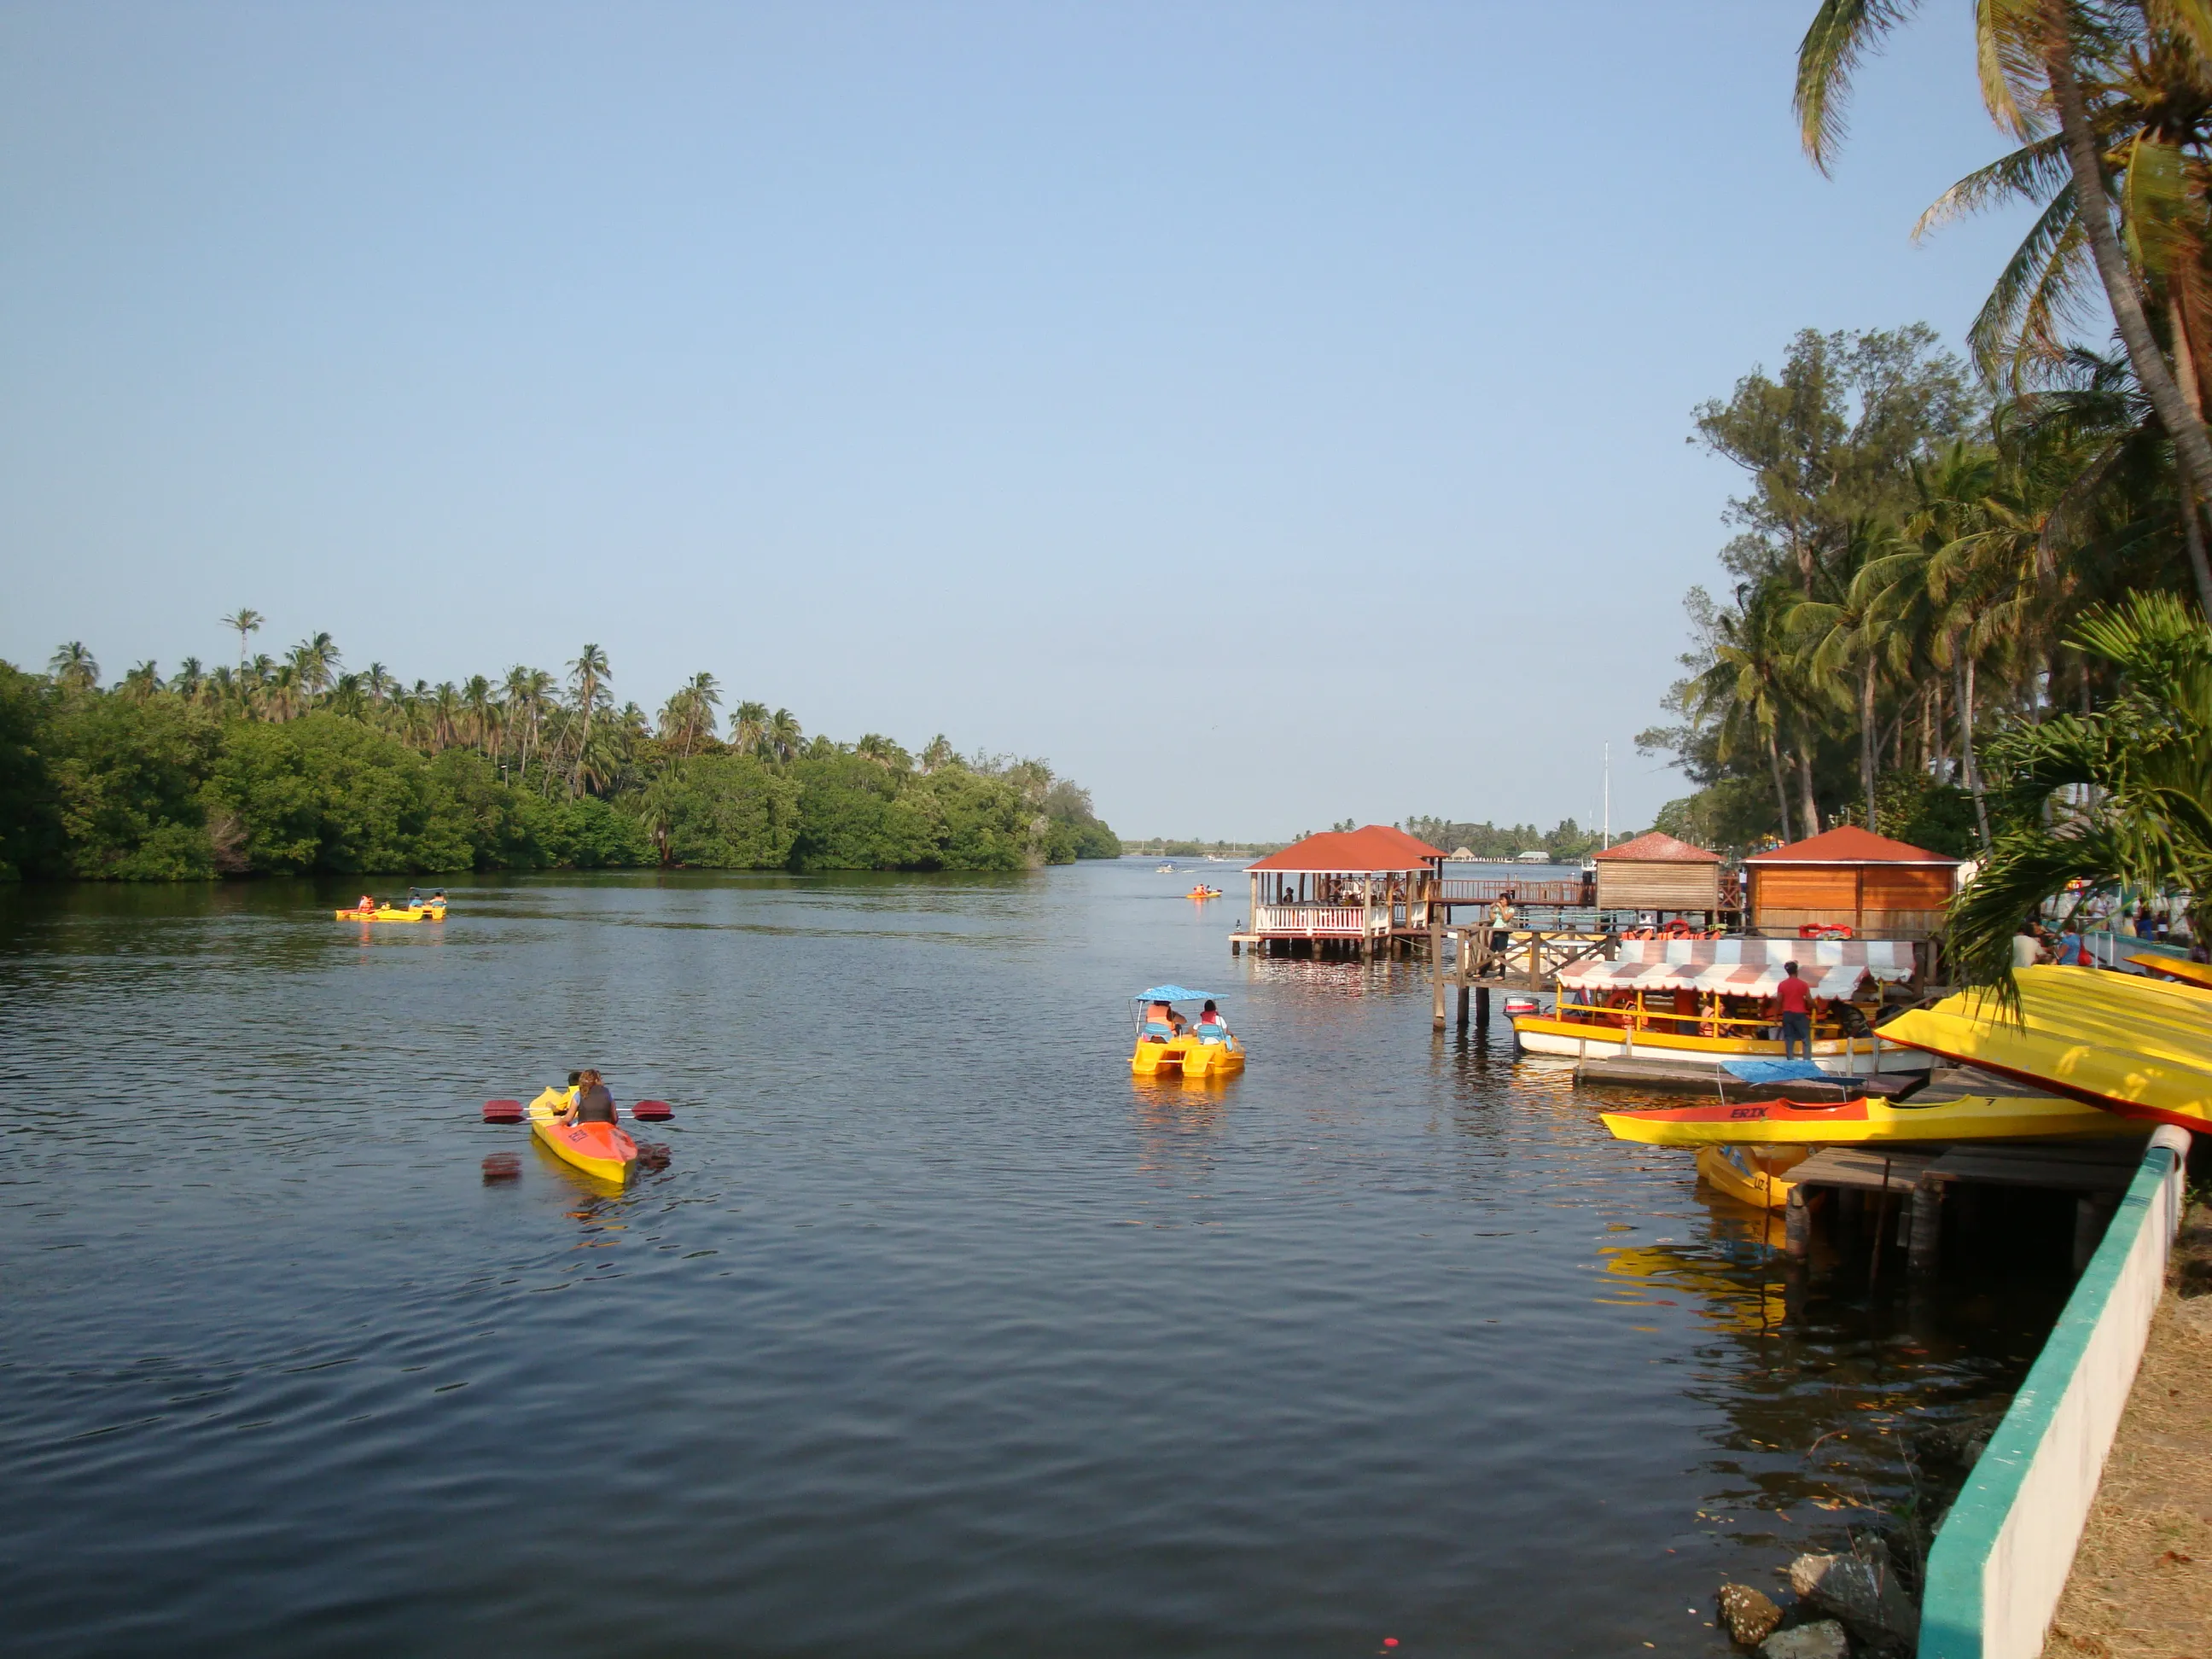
(1849, 844)
(1354, 852)
(1658, 847)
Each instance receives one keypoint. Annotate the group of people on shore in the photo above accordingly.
(2067, 944)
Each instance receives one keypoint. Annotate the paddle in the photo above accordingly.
(510, 1111)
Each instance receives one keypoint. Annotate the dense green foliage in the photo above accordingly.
(303, 770)
(1567, 841)
(1969, 610)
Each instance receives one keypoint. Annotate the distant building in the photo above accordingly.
(1851, 877)
(1658, 873)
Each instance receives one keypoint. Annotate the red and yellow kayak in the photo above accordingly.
(1970, 1117)
(597, 1149)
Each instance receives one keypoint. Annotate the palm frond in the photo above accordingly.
(1842, 32)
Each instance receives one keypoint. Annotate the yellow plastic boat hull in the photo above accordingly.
(2141, 1047)
(597, 1149)
(426, 914)
(1542, 1034)
(1851, 1122)
(2180, 968)
(1746, 1176)
(1188, 1057)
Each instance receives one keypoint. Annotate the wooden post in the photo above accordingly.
(1436, 971)
(1463, 1004)
(1797, 1224)
(1926, 1248)
(1481, 1010)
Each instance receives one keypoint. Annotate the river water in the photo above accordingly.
(936, 1334)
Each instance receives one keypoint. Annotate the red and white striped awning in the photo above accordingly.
(1743, 967)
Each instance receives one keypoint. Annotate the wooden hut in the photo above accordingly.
(1848, 876)
(1658, 873)
(1358, 891)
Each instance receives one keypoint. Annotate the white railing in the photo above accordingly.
(1318, 919)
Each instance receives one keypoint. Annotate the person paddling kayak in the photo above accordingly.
(593, 1104)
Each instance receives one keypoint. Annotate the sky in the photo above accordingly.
(1267, 413)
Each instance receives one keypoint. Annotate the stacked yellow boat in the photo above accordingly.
(2139, 1047)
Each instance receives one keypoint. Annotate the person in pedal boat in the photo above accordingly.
(593, 1104)
(1211, 1016)
(367, 903)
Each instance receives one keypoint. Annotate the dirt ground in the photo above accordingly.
(2142, 1586)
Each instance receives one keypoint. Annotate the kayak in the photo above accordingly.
(2141, 1046)
(1967, 1117)
(385, 913)
(2178, 969)
(599, 1149)
(1750, 1175)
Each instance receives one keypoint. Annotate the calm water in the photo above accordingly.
(936, 1334)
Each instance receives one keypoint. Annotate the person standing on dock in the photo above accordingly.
(1501, 927)
(1796, 1000)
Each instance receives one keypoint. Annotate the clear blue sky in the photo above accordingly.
(1268, 413)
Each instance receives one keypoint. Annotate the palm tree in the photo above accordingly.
(143, 681)
(1751, 680)
(314, 661)
(749, 727)
(586, 676)
(2142, 768)
(246, 622)
(2051, 76)
(377, 683)
(74, 668)
(190, 677)
(781, 737)
(477, 696)
(940, 753)
(702, 697)
(446, 709)
(526, 691)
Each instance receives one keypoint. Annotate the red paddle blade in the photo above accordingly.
(652, 1111)
(502, 1166)
(502, 1111)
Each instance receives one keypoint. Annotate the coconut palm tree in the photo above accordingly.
(2052, 74)
(781, 737)
(1753, 682)
(748, 727)
(189, 677)
(587, 676)
(246, 622)
(2138, 772)
(74, 667)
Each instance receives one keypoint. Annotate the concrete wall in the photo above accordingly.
(2000, 1562)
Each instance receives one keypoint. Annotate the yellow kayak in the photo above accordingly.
(1965, 1117)
(2198, 974)
(1750, 1175)
(597, 1149)
(2141, 1046)
(385, 913)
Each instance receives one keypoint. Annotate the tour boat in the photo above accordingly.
(1708, 1000)
(1199, 1051)
(597, 1149)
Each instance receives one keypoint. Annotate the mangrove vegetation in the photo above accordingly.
(300, 765)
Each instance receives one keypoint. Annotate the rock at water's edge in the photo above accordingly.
(1825, 1640)
(1861, 1590)
(1749, 1614)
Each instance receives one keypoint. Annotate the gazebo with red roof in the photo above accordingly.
(1852, 878)
(1359, 890)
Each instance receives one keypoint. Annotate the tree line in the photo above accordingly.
(1966, 600)
(298, 765)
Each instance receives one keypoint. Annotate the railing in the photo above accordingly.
(1462, 889)
(2001, 1561)
(1302, 919)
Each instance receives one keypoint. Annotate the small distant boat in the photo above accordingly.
(597, 1149)
(1202, 891)
(386, 913)
(1533, 858)
(1517, 1006)
(1165, 870)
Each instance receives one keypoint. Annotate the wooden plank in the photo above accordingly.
(2090, 1166)
(1862, 1167)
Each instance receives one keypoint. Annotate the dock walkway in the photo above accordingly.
(2142, 1583)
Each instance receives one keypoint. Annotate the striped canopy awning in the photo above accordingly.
(1743, 967)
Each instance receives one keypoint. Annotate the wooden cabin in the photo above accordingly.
(1849, 877)
(1659, 873)
(1359, 892)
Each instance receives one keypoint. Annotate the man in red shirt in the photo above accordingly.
(1796, 998)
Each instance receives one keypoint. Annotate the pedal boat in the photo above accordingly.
(386, 913)
(1203, 893)
(597, 1149)
(1869, 1121)
(1200, 1052)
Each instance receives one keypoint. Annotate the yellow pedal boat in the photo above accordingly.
(385, 913)
(1205, 1050)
